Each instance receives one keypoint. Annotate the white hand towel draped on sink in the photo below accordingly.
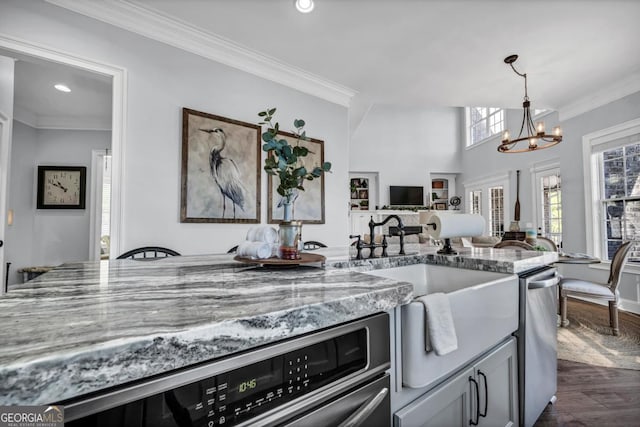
(440, 332)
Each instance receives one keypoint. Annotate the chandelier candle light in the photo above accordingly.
(535, 135)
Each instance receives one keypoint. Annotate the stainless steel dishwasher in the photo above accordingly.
(537, 343)
(334, 377)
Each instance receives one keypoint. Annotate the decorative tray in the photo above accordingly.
(305, 258)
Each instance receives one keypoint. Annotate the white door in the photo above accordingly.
(5, 128)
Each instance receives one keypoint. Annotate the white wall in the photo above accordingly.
(7, 66)
(406, 145)
(484, 160)
(47, 237)
(161, 81)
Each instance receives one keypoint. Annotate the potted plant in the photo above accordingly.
(285, 162)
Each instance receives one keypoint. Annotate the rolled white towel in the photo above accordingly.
(262, 233)
(254, 250)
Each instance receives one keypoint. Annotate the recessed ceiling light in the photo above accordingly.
(62, 88)
(304, 6)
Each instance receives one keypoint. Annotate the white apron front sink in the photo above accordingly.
(484, 306)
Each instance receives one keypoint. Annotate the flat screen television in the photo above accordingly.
(406, 196)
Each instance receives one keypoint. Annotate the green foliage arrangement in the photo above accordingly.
(283, 159)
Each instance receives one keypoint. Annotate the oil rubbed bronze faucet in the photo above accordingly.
(372, 245)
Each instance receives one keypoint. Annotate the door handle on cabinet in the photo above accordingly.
(486, 394)
(475, 383)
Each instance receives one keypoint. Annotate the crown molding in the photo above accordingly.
(149, 23)
(39, 121)
(620, 89)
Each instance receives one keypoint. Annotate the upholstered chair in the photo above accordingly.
(606, 291)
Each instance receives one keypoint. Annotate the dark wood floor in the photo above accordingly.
(595, 396)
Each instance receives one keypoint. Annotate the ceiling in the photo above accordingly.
(409, 53)
(38, 104)
(435, 52)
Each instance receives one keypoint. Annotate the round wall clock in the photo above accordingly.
(61, 187)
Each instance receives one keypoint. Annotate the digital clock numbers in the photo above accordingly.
(247, 385)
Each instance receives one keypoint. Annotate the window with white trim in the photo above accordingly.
(482, 123)
(496, 211)
(548, 192)
(488, 197)
(612, 158)
(620, 197)
(476, 201)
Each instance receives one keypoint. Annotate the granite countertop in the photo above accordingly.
(487, 259)
(83, 327)
(87, 326)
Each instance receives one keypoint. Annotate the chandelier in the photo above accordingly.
(535, 136)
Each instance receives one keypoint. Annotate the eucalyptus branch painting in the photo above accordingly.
(220, 169)
(309, 204)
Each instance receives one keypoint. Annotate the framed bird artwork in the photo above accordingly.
(220, 169)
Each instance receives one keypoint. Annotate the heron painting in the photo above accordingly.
(308, 205)
(220, 169)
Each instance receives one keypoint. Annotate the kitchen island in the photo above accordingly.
(84, 327)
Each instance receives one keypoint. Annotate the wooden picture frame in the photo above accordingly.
(221, 165)
(440, 206)
(61, 187)
(309, 204)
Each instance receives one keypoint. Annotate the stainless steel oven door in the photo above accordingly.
(366, 406)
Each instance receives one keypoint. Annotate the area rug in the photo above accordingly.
(588, 338)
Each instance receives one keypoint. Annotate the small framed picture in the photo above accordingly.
(309, 204)
(441, 206)
(61, 187)
(363, 194)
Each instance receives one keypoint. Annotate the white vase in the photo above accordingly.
(288, 210)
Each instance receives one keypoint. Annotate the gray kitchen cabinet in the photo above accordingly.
(497, 377)
(484, 393)
(447, 405)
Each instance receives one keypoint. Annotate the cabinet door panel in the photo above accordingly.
(447, 405)
(497, 378)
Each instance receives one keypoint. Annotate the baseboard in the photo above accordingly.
(624, 304)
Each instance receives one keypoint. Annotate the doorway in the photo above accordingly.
(117, 77)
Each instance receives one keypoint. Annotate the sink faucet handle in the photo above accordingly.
(384, 245)
(358, 244)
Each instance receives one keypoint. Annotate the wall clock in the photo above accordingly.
(61, 187)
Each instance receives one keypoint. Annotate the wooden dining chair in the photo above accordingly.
(607, 291)
(148, 253)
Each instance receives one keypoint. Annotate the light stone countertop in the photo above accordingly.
(83, 327)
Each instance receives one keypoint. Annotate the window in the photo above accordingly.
(620, 197)
(548, 192)
(476, 201)
(496, 211)
(612, 166)
(483, 122)
(488, 197)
